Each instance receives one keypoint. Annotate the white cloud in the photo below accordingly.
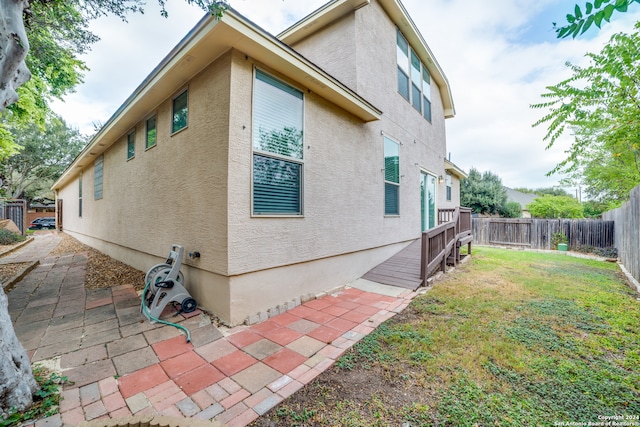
(498, 56)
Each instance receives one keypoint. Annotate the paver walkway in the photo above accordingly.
(121, 365)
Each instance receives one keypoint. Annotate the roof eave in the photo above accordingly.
(209, 39)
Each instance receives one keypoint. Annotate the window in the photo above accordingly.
(414, 81)
(131, 145)
(391, 177)
(97, 178)
(448, 184)
(277, 147)
(180, 116)
(80, 195)
(426, 94)
(402, 52)
(151, 136)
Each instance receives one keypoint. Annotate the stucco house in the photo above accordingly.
(293, 163)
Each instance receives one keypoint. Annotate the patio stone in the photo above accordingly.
(262, 348)
(256, 377)
(83, 356)
(306, 346)
(126, 345)
(135, 360)
(89, 373)
(141, 380)
(215, 350)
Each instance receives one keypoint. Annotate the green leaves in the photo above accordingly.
(600, 106)
(594, 13)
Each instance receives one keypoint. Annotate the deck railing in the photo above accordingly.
(442, 243)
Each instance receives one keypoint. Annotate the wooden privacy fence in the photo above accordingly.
(442, 243)
(539, 233)
(627, 232)
(15, 210)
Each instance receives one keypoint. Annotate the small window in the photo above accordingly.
(151, 136)
(180, 112)
(97, 177)
(391, 177)
(448, 184)
(80, 195)
(426, 94)
(131, 145)
(402, 53)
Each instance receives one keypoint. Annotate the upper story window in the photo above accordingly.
(180, 112)
(97, 177)
(131, 145)
(391, 177)
(414, 82)
(277, 147)
(151, 136)
(447, 181)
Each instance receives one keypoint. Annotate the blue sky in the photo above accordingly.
(498, 56)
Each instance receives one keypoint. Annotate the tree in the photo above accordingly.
(554, 191)
(40, 41)
(482, 192)
(600, 105)
(39, 44)
(43, 156)
(555, 207)
(594, 14)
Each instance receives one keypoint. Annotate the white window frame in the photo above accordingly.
(276, 156)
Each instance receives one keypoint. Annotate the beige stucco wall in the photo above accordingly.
(194, 188)
(362, 49)
(175, 192)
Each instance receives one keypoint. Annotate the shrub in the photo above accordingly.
(9, 238)
(511, 210)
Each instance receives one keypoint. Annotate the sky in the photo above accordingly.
(498, 56)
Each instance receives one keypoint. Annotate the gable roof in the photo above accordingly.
(519, 197)
(453, 169)
(207, 41)
(335, 9)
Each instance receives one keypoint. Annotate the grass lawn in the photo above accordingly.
(511, 338)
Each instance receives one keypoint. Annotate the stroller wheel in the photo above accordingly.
(188, 305)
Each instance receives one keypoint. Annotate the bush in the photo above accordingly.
(511, 210)
(609, 252)
(9, 238)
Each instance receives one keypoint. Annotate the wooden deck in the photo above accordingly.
(402, 269)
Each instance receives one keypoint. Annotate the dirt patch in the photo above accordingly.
(7, 271)
(102, 270)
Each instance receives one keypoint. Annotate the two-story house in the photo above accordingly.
(292, 164)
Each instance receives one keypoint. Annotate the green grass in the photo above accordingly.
(512, 338)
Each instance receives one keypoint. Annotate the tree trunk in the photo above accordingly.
(17, 384)
(13, 50)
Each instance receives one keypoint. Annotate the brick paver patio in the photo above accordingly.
(121, 365)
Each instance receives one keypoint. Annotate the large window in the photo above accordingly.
(414, 82)
(180, 112)
(131, 145)
(97, 178)
(277, 147)
(151, 136)
(391, 177)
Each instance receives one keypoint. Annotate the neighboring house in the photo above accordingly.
(452, 177)
(521, 198)
(292, 164)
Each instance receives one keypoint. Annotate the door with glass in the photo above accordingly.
(428, 200)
